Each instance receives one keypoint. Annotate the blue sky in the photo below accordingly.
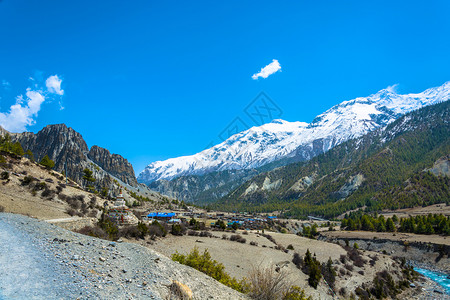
(152, 80)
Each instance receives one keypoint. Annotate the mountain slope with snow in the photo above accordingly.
(297, 141)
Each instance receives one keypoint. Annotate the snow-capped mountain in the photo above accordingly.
(298, 141)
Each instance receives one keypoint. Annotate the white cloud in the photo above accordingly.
(53, 84)
(6, 84)
(268, 70)
(24, 112)
(392, 88)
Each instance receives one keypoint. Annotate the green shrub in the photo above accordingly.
(4, 175)
(47, 162)
(108, 226)
(177, 229)
(205, 264)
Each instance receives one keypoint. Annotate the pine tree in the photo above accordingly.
(16, 148)
(390, 226)
(47, 162)
(395, 219)
(29, 154)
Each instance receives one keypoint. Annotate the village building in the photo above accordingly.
(120, 213)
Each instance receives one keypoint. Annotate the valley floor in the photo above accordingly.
(240, 258)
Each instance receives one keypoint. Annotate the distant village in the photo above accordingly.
(122, 215)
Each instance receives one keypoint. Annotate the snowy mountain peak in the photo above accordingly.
(280, 139)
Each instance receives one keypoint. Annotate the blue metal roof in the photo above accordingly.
(161, 215)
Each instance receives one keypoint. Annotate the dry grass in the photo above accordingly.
(265, 283)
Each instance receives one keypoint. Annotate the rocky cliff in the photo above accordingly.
(69, 151)
(114, 164)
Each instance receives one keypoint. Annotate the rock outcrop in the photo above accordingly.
(69, 151)
(114, 164)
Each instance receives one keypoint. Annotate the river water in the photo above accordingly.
(440, 278)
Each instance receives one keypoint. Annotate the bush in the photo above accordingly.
(177, 230)
(237, 238)
(4, 175)
(329, 273)
(93, 231)
(72, 201)
(47, 162)
(297, 260)
(108, 226)
(384, 285)
(356, 257)
(27, 180)
(362, 294)
(266, 283)
(295, 293)
(253, 243)
(129, 232)
(280, 247)
(204, 263)
(269, 237)
(349, 267)
(58, 189)
(205, 234)
(2, 208)
(48, 193)
(40, 186)
(156, 229)
(290, 247)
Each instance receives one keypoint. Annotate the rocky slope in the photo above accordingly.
(40, 260)
(68, 150)
(297, 141)
(202, 189)
(114, 164)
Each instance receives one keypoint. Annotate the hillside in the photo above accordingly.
(405, 164)
(30, 189)
(69, 151)
(279, 143)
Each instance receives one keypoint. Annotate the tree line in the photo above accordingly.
(426, 224)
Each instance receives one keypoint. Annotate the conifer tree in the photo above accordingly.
(47, 162)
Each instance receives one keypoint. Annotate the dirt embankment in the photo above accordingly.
(429, 251)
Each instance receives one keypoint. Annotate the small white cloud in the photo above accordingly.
(392, 88)
(6, 84)
(268, 70)
(22, 113)
(53, 84)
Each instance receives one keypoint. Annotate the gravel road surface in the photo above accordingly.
(39, 260)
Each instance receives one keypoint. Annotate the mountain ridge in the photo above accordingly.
(402, 165)
(288, 142)
(300, 141)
